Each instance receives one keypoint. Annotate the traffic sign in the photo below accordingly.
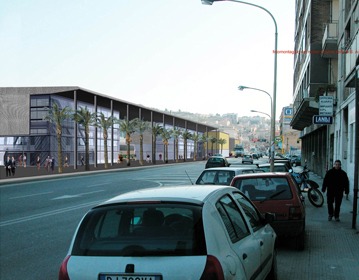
(322, 119)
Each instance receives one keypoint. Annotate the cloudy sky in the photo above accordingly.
(167, 54)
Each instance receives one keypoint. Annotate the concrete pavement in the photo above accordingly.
(332, 248)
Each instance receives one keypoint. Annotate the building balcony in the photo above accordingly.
(330, 41)
(303, 115)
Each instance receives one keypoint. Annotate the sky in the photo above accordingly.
(166, 54)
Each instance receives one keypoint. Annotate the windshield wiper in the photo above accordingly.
(272, 196)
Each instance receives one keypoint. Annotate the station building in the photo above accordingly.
(24, 131)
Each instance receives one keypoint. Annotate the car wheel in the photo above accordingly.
(273, 273)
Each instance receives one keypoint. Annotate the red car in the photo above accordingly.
(279, 193)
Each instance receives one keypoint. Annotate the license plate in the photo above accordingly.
(130, 277)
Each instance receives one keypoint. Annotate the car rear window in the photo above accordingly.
(215, 160)
(216, 177)
(170, 229)
(276, 168)
(265, 188)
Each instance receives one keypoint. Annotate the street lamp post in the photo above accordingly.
(272, 118)
(210, 2)
(255, 111)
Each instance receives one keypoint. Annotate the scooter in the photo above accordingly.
(312, 188)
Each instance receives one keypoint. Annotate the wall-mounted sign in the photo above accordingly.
(326, 105)
(322, 119)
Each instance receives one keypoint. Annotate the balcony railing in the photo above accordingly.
(330, 40)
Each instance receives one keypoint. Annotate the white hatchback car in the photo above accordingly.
(223, 175)
(185, 232)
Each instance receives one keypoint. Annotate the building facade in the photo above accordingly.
(328, 32)
(291, 143)
(24, 131)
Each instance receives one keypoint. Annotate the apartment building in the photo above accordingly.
(325, 63)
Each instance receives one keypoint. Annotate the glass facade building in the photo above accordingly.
(41, 139)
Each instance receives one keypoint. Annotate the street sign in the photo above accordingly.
(322, 119)
(278, 139)
(326, 105)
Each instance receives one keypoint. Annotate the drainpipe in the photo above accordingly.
(356, 155)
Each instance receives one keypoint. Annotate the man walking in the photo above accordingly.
(8, 166)
(53, 164)
(13, 166)
(336, 182)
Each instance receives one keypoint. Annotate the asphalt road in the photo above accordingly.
(38, 219)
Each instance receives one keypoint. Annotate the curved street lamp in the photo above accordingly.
(210, 2)
(255, 111)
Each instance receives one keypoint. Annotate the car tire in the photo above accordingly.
(273, 273)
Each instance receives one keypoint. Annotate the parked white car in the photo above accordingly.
(223, 175)
(176, 233)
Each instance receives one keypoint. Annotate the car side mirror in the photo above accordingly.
(290, 170)
(229, 164)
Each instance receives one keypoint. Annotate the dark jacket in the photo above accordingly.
(13, 163)
(336, 182)
(8, 163)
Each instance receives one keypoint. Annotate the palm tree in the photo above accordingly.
(213, 140)
(175, 134)
(166, 134)
(221, 141)
(185, 135)
(85, 118)
(141, 126)
(195, 137)
(58, 116)
(105, 125)
(127, 127)
(156, 130)
(204, 139)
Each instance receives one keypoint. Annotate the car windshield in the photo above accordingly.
(247, 156)
(265, 188)
(216, 177)
(159, 229)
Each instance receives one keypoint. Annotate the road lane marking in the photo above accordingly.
(75, 195)
(50, 213)
(29, 195)
(97, 185)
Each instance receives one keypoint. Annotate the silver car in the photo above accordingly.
(248, 159)
(223, 175)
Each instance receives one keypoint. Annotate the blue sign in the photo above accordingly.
(288, 111)
(322, 119)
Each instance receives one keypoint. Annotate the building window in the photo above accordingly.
(40, 101)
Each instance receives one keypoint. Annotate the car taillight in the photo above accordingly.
(295, 213)
(63, 275)
(213, 269)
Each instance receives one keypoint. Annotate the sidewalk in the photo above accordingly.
(33, 174)
(332, 248)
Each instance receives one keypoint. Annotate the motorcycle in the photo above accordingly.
(312, 188)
